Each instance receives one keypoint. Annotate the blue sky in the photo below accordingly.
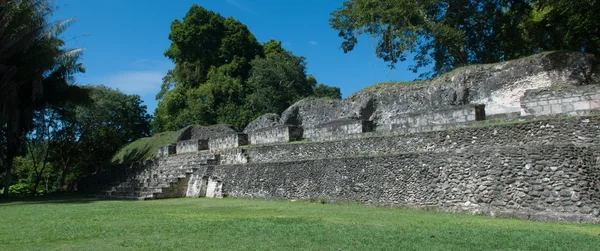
(124, 41)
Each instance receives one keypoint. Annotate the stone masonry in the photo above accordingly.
(385, 149)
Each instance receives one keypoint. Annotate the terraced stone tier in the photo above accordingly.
(558, 182)
(575, 130)
(162, 178)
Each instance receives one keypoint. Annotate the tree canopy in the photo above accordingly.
(35, 72)
(454, 33)
(223, 75)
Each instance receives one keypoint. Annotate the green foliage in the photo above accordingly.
(450, 34)
(324, 91)
(73, 140)
(35, 72)
(23, 189)
(205, 39)
(145, 148)
(83, 223)
(276, 82)
(113, 120)
(223, 75)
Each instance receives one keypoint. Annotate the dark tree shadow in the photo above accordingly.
(71, 198)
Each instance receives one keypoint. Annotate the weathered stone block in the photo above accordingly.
(276, 134)
(165, 151)
(338, 129)
(229, 141)
(192, 145)
(581, 105)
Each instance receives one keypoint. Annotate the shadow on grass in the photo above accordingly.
(72, 198)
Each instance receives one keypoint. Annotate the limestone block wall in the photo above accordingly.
(230, 141)
(337, 129)
(434, 120)
(192, 145)
(232, 156)
(575, 130)
(202, 184)
(166, 150)
(275, 134)
(499, 86)
(545, 182)
(566, 100)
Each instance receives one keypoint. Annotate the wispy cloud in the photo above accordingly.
(237, 4)
(313, 42)
(136, 82)
(143, 77)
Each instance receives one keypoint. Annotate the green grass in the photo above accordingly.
(238, 224)
(145, 148)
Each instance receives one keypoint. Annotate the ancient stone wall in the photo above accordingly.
(498, 86)
(192, 145)
(549, 182)
(226, 142)
(574, 130)
(337, 129)
(434, 120)
(275, 134)
(165, 151)
(420, 145)
(565, 100)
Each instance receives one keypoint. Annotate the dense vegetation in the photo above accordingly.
(237, 224)
(455, 33)
(53, 130)
(223, 75)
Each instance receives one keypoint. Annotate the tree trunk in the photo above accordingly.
(35, 186)
(63, 178)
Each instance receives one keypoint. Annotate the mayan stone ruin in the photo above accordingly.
(513, 139)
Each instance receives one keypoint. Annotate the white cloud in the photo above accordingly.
(136, 82)
(313, 42)
(240, 6)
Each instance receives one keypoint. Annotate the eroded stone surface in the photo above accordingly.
(498, 86)
(491, 181)
(205, 132)
(265, 121)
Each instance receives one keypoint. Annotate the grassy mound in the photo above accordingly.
(145, 148)
(239, 224)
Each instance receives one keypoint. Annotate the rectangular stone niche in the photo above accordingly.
(338, 129)
(192, 145)
(442, 119)
(166, 150)
(278, 134)
(229, 141)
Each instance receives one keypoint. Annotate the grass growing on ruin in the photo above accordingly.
(145, 148)
(236, 224)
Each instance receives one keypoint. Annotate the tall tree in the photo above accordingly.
(223, 75)
(207, 49)
(454, 33)
(112, 120)
(35, 70)
(277, 81)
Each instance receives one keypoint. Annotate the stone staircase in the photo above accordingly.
(165, 178)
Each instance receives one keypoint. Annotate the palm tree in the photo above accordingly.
(35, 71)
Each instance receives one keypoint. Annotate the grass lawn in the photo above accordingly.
(239, 224)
